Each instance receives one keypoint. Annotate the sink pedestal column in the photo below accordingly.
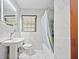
(13, 52)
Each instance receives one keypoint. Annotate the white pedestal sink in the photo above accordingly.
(13, 44)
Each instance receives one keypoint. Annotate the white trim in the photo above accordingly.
(2, 16)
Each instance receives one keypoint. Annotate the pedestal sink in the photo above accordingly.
(13, 44)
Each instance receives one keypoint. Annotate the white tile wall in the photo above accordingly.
(62, 29)
(35, 37)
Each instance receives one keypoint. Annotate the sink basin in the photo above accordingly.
(13, 46)
(13, 41)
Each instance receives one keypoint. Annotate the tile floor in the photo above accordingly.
(40, 54)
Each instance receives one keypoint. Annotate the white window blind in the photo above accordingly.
(10, 20)
(29, 23)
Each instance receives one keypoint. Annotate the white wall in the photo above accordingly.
(36, 4)
(8, 10)
(62, 29)
(34, 37)
(4, 34)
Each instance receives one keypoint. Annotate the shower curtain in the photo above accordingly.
(46, 31)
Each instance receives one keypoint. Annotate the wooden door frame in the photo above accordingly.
(74, 28)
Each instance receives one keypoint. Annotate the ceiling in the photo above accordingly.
(35, 4)
(7, 7)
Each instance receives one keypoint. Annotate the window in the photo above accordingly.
(29, 23)
(10, 20)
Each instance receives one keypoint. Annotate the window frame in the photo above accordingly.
(35, 23)
(9, 16)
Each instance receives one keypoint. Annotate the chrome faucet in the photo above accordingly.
(11, 34)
